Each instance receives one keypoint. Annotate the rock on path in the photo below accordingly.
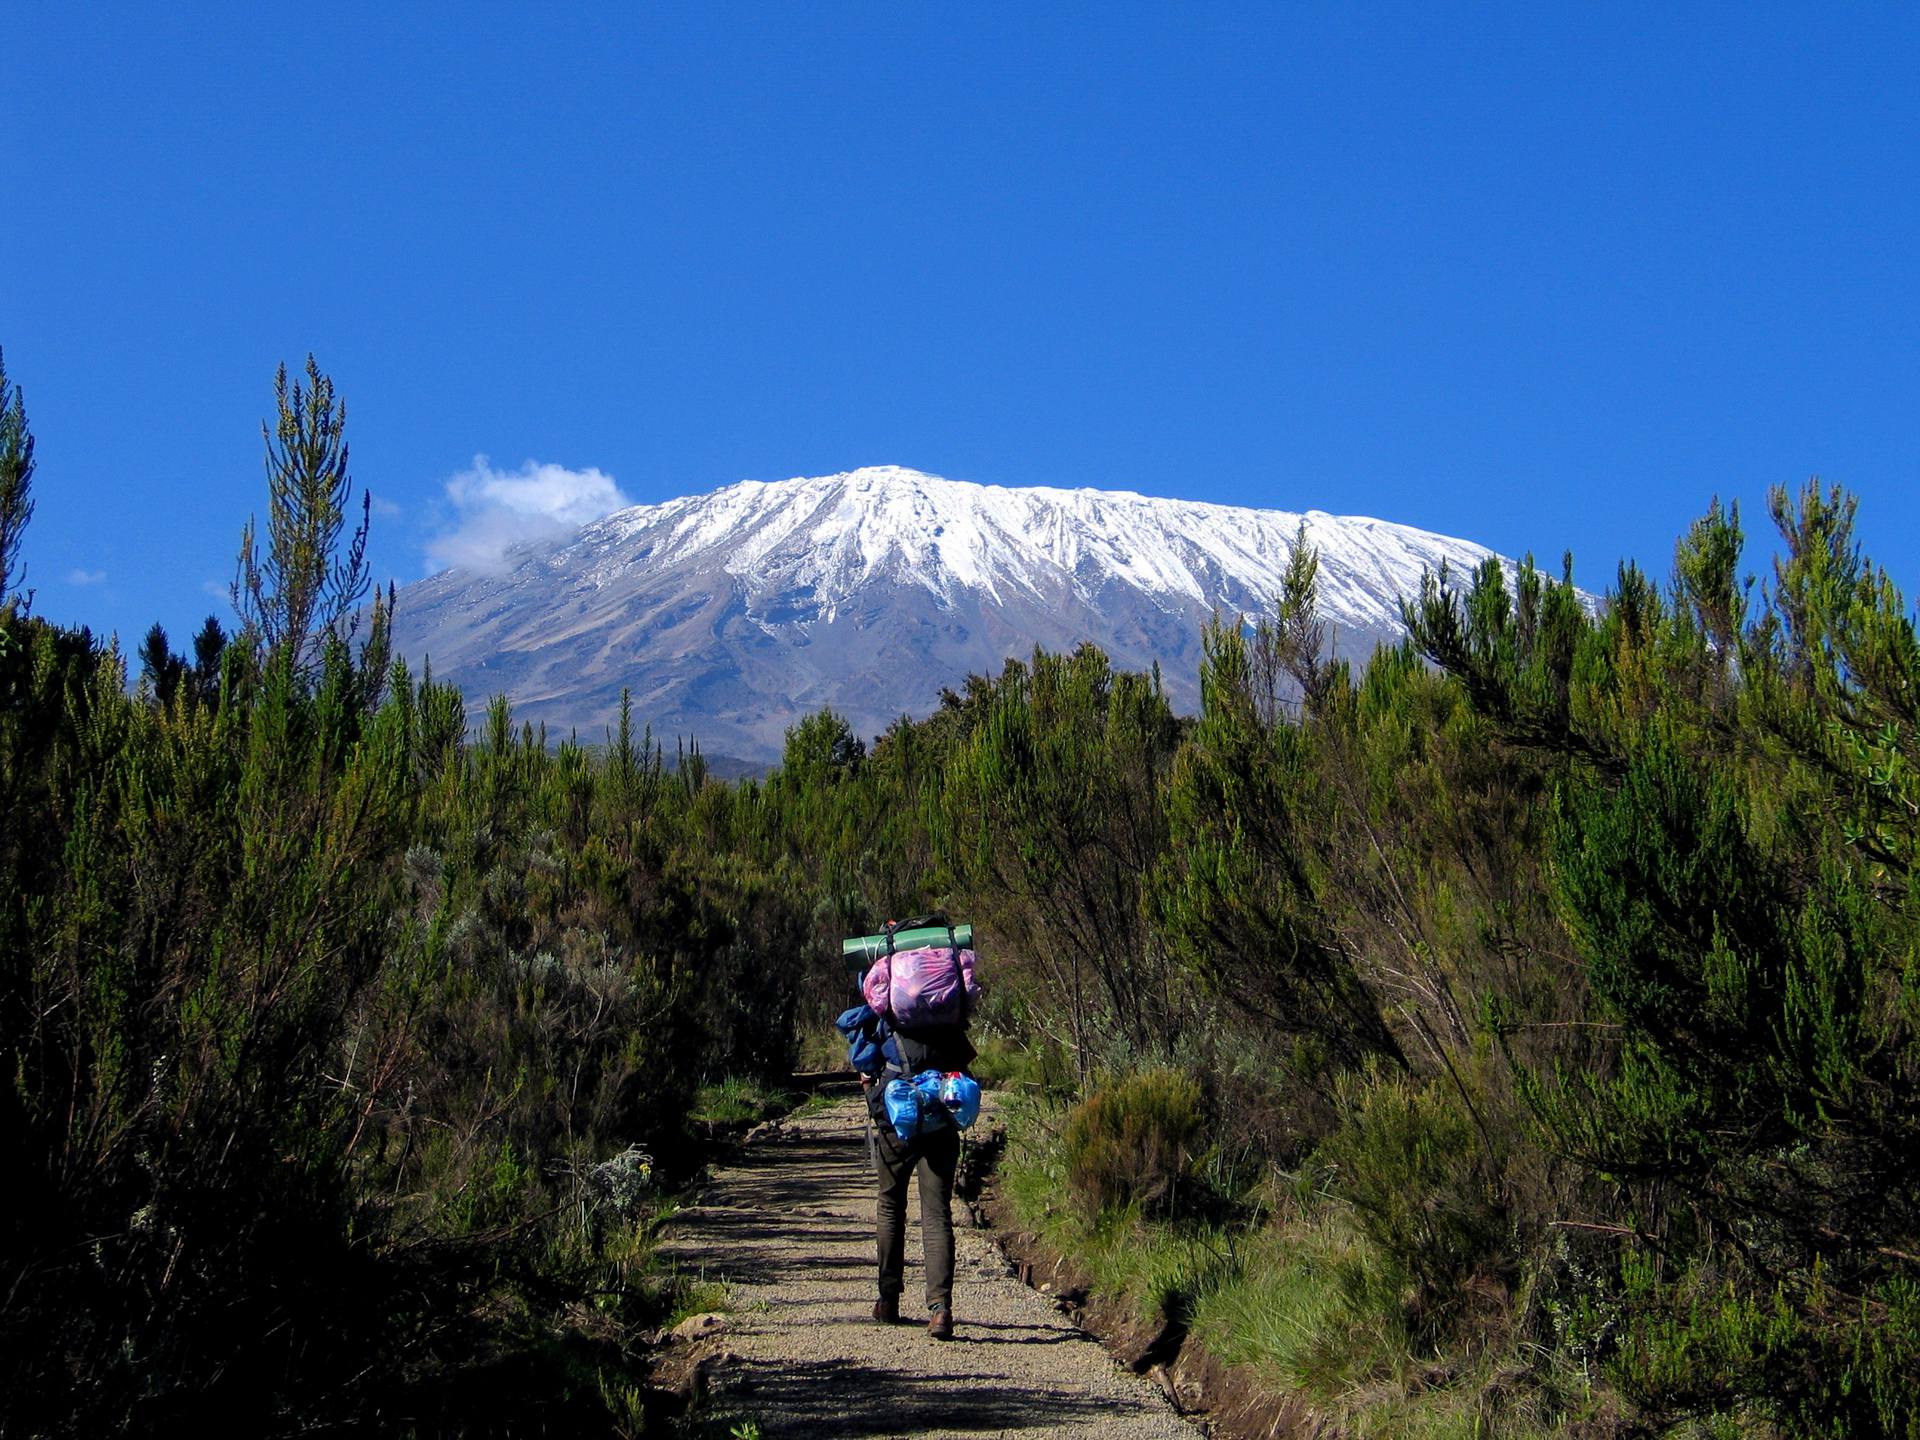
(788, 1226)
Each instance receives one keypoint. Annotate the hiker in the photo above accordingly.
(914, 1035)
(935, 1154)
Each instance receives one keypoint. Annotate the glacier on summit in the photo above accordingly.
(732, 614)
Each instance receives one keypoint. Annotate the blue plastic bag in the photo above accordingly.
(904, 1107)
(929, 1100)
(960, 1095)
(947, 1097)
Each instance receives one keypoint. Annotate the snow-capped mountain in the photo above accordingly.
(732, 614)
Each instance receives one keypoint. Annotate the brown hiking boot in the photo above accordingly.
(886, 1310)
(941, 1325)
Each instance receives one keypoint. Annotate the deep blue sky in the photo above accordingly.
(1541, 276)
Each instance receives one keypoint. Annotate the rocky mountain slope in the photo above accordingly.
(730, 615)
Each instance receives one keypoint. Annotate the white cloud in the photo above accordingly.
(385, 507)
(495, 509)
(218, 589)
(86, 577)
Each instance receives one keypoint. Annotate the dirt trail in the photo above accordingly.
(789, 1226)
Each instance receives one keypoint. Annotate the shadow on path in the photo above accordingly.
(823, 1397)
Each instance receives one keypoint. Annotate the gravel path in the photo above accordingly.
(789, 1227)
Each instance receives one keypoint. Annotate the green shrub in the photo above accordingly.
(1134, 1143)
(1822, 1365)
(1040, 1065)
(1413, 1163)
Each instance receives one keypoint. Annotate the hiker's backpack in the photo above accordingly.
(931, 1100)
(923, 987)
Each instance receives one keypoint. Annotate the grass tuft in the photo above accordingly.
(739, 1100)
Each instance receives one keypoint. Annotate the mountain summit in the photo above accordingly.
(732, 614)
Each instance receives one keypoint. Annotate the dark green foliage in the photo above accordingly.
(16, 480)
(203, 677)
(1238, 896)
(304, 593)
(821, 750)
(1740, 986)
(161, 671)
(343, 1058)
(1052, 817)
(1730, 857)
(188, 941)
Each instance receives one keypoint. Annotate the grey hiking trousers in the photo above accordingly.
(935, 1155)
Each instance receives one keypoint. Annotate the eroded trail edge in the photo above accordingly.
(788, 1225)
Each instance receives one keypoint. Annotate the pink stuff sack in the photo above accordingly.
(918, 988)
